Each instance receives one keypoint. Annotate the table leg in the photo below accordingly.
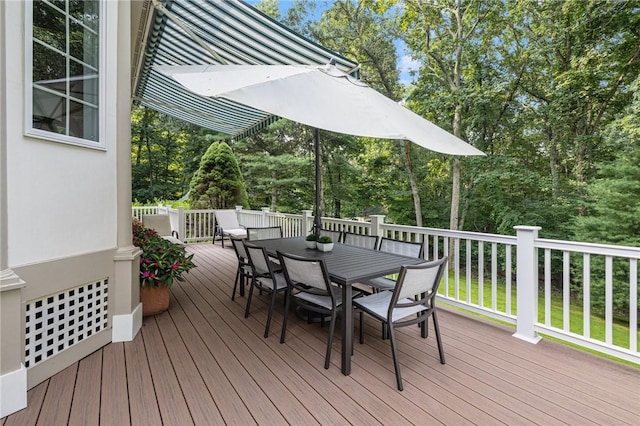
(347, 329)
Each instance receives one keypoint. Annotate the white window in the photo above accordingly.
(64, 96)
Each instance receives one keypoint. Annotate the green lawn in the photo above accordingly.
(620, 329)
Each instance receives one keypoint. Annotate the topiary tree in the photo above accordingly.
(218, 182)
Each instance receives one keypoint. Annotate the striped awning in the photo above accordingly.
(214, 32)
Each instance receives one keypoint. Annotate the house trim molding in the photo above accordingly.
(13, 391)
(125, 327)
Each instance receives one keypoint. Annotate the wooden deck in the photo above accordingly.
(203, 363)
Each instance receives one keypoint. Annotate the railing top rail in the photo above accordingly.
(345, 221)
(463, 235)
(591, 248)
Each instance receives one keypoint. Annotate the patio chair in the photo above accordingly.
(265, 233)
(227, 225)
(336, 236)
(244, 272)
(161, 223)
(265, 278)
(310, 281)
(405, 248)
(411, 302)
(360, 240)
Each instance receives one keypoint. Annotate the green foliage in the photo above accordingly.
(218, 182)
(325, 239)
(612, 206)
(539, 84)
(161, 261)
(311, 237)
(163, 153)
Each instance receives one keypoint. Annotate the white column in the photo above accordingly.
(13, 374)
(127, 318)
(527, 283)
(307, 222)
(376, 224)
(263, 217)
(182, 224)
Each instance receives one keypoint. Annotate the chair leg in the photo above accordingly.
(361, 328)
(246, 310)
(438, 338)
(243, 284)
(394, 353)
(287, 303)
(235, 284)
(270, 315)
(332, 326)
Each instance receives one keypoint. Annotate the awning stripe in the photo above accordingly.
(236, 32)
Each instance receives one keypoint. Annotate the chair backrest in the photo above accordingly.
(259, 260)
(160, 222)
(227, 219)
(241, 252)
(265, 233)
(421, 281)
(405, 248)
(359, 240)
(336, 236)
(306, 274)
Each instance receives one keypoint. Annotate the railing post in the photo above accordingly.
(263, 217)
(307, 222)
(376, 224)
(527, 283)
(182, 223)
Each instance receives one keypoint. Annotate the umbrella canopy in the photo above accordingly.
(319, 96)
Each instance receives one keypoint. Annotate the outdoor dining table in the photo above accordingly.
(346, 265)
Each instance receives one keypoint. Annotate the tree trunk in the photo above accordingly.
(417, 204)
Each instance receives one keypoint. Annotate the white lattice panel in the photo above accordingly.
(57, 322)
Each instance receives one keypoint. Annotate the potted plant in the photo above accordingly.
(310, 241)
(324, 243)
(161, 264)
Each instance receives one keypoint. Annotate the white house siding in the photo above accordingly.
(61, 214)
(61, 198)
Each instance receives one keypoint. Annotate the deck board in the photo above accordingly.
(202, 362)
(89, 375)
(57, 401)
(173, 406)
(114, 402)
(143, 404)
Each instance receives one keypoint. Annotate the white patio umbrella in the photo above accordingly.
(319, 96)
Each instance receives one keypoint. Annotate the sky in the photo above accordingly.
(405, 63)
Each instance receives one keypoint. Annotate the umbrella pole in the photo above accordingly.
(316, 147)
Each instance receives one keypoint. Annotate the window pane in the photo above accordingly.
(49, 111)
(49, 25)
(86, 12)
(83, 83)
(83, 121)
(83, 44)
(49, 68)
(65, 77)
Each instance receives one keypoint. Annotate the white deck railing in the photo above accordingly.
(484, 271)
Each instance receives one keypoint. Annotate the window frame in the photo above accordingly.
(31, 131)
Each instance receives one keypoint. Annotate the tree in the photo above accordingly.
(158, 143)
(366, 30)
(612, 207)
(218, 183)
(442, 36)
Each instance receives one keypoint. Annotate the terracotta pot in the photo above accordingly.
(154, 299)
